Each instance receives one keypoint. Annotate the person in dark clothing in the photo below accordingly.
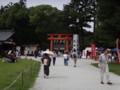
(46, 62)
(87, 54)
(36, 53)
(54, 58)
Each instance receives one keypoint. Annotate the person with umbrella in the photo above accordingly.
(46, 60)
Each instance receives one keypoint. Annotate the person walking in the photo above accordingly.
(66, 58)
(103, 65)
(46, 62)
(74, 57)
(36, 53)
(54, 57)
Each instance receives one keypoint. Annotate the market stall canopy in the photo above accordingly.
(88, 49)
(114, 50)
(100, 49)
(5, 34)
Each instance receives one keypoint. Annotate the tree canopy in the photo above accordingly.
(76, 16)
(31, 25)
(108, 23)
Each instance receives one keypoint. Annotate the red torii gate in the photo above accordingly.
(53, 37)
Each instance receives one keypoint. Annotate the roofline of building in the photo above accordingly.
(6, 30)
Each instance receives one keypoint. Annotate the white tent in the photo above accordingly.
(88, 49)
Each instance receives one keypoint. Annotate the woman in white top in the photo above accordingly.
(66, 58)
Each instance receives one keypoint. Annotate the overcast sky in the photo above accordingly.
(55, 3)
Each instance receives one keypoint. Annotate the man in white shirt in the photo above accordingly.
(103, 64)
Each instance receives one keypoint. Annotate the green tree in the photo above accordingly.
(16, 16)
(43, 19)
(76, 16)
(108, 22)
(32, 24)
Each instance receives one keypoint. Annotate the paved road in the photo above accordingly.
(82, 77)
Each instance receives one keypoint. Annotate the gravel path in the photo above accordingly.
(82, 77)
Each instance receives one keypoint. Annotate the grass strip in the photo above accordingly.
(10, 71)
(113, 67)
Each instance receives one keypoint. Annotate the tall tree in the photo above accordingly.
(15, 16)
(43, 19)
(77, 14)
(108, 22)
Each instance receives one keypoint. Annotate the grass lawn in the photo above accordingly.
(113, 67)
(10, 71)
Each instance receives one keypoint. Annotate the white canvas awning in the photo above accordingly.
(88, 49)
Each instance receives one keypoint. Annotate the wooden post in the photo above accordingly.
(67, 44)
(51, 43)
